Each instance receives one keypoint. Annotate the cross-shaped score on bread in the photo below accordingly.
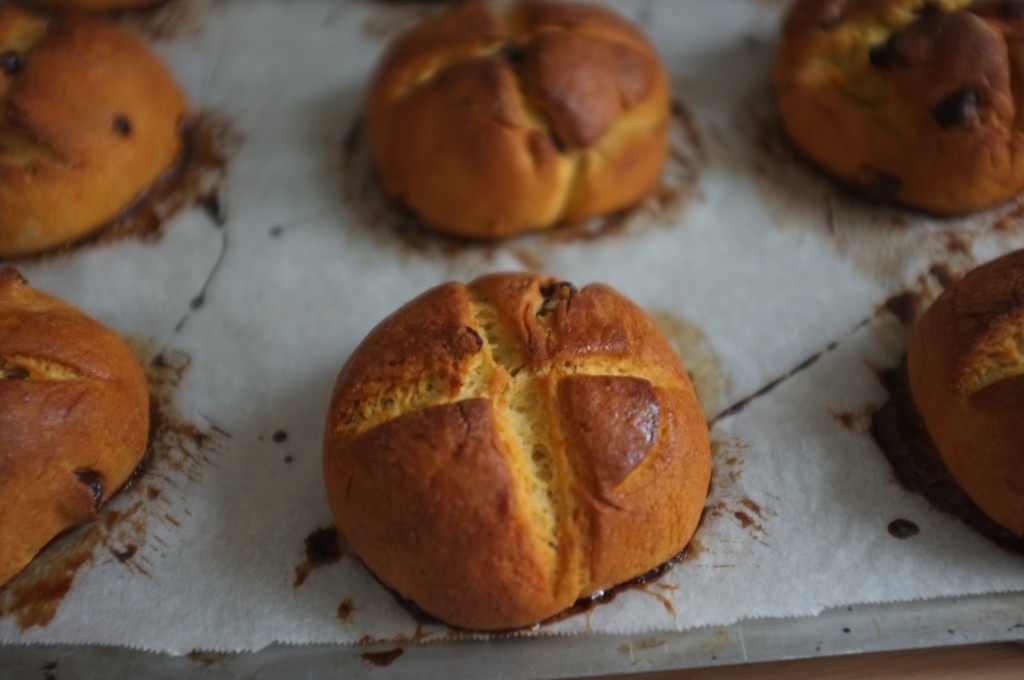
(487, 124)
(498, 450)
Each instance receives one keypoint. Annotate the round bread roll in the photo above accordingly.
(91, 5)
(74, 419)
(487, 124)
(88, 120)
(966, 371)
(496, 451)
(911, 101)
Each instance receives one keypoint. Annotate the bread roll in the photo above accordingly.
(498, 450)
(74, 419)
(88, 120)
(910, 101)
(966, 371)
(488, 124)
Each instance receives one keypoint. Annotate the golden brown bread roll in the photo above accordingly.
(498, 450)
(912, 101)
(89, 119)
(74, 419)
(488, 124)
(965, 366)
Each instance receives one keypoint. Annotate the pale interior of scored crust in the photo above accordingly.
(1005, 360)
(29, 368)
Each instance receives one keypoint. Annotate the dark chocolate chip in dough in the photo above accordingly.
(554, 294)
(94, 481)
(882, 56)
(477, 340)
(958, 108)
(10, 62)
(122, 126)
(513, 54)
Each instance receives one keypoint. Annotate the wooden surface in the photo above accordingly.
(983, 662)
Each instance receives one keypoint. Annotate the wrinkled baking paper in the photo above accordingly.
(760, 272)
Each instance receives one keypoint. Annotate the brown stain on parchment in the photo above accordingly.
(903, 529)
(323, 546)
(385, 219)
(134, 527)
(728, 504)
(35, 595)
(421, 635)
(642, 645)
(906, 306)
(857, 421)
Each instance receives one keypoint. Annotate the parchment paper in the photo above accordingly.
(763, 275)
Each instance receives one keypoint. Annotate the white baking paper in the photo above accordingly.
(754, 267)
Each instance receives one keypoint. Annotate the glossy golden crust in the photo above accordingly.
(966, 370)
(912, 101)
(488, 125)
(496, 451)
(74, 419)
(88, 120)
